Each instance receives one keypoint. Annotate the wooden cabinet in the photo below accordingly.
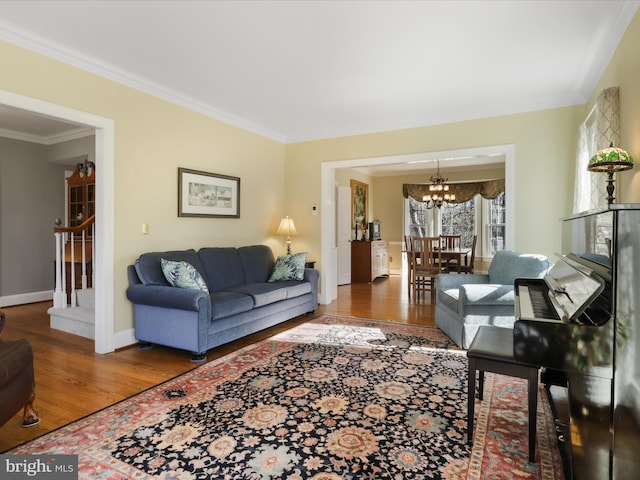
(369, 260)
(81, 194)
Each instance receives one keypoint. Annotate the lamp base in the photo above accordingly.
(610, 187)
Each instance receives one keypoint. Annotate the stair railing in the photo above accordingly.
(82, 231)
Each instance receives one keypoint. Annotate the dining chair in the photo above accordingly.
(450, 242)
(426, 264)
(408, 248)
(469, 268)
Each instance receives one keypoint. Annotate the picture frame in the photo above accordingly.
(204, 194)
(359, 203)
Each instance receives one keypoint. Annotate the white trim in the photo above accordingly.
(57, 51)
(605, 48)
(125, 338)
(22, 298)
(105, 180)
(74, 134)
(328, 257)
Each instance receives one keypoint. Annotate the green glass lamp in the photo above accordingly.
(610, 160)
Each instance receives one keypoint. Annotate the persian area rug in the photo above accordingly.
(335, 398)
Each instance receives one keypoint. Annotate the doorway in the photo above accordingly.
(328, 248)
(105, 171)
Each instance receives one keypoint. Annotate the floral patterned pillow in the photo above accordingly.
(182, 275)
(289, 267)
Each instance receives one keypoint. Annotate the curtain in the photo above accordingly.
(590, 189)
(582, 192)
(463, 191)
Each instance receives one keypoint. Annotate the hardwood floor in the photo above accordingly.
(72, 381)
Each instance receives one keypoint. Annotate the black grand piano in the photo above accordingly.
(580, 323)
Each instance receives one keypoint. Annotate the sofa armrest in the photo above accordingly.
(169, 297)
(312, 276)
(487, 294)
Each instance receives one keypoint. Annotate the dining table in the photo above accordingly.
(456, 253)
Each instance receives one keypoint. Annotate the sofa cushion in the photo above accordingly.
(295, 288)
(257, 263)
(262, 293)
(223, 267)
(506, 266)
(225, 304)
(149, 269)
(289, 267)
(182, 275)
(489, 294)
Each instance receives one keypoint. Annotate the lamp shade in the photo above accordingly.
(287, 227)
(610, 159)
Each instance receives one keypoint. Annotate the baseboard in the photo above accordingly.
(23, 298)
(125, 338)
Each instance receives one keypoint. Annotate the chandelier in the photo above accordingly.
(438, 192)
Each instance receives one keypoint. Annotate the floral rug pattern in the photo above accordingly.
(336, 398)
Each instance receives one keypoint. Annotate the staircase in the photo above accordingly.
(78, 320)
(73, 308)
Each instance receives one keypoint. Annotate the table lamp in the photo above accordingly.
(610, 160)
(287, 228)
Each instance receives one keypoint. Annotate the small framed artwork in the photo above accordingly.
(359, 203)
(203, 194)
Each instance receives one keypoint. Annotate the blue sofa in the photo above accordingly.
(464, 302)
(240, 301)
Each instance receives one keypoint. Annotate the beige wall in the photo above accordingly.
(624, 72)
(544, 144)
(152, 139)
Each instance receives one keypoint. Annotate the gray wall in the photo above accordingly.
(31, 198)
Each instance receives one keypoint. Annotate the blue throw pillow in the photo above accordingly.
(182, 275)
(289, 267)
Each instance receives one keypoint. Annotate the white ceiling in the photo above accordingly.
(304, 70)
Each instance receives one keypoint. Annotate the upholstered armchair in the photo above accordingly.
(16, 380)
(464, 302)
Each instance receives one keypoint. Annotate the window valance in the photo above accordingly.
(489, 189)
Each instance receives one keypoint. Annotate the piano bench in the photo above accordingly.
(492, 351)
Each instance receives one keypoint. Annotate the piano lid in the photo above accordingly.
(572, 287)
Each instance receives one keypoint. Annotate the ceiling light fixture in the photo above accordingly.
(438, 192)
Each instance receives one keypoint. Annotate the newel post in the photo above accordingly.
(59, 295)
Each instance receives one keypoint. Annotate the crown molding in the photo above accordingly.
(606, 48)
(73, 134)
(30, 41)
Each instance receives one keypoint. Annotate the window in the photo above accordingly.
(495, 224)
(417, 225)
(478, 216)
(459, 219)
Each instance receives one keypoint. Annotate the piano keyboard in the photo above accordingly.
(534, 303)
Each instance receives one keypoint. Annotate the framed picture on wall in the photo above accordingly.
(203, 194)
(359, 203)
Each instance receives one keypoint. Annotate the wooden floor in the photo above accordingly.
(72, 381)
